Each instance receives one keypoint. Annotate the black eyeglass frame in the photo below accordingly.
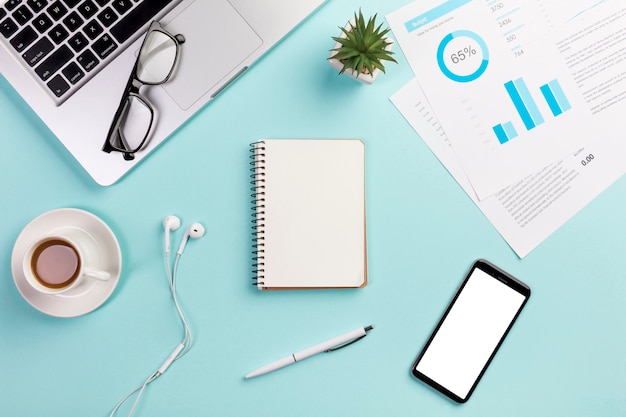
(132, 90)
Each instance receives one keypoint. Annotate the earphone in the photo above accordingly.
(195, 231)
(171, 223)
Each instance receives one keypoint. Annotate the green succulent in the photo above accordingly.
(363, 47)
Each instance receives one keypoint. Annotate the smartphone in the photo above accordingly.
(471, 330)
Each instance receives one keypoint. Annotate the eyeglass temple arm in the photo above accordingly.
(131, 87)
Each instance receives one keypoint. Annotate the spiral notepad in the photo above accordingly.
(308, 213)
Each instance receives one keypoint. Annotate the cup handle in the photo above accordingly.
(96, 274)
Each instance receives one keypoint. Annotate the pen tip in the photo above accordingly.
(368, 328)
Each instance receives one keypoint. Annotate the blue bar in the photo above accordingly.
(559, 94)
(529, 101)
(434, 14)
(500, 133)
(510, 130)
(551, 100)
(519, 105)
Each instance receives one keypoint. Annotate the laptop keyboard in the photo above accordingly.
(64, 43)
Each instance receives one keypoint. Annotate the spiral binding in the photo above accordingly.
(258, 210)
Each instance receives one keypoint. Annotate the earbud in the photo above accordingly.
(170, 223)
(194, 231)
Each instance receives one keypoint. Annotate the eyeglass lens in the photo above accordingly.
(156, 59)
(134, 125)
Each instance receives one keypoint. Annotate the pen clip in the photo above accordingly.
(343, 345)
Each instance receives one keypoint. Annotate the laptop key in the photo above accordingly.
(22, 15)
(87, 9)
(58, 34)
(122, 6)
(57, 10)
(87, 60)
(38, 51)
(8, 27)
(37, 5)
(73, 21)
(78, 42)
(54, 62)
(58, 85)
(93, 29)
(42, 23)
(12, 4)
(136, 18)
(104, 46)
(73, 72)
(24, 38)
(107, 17)
(3, 13)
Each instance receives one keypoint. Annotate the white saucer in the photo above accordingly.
(89, 295)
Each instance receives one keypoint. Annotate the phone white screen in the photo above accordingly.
(470, 333)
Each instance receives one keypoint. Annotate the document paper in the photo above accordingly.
(528, 212)
(517, 85)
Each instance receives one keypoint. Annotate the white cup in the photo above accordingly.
(57, 263)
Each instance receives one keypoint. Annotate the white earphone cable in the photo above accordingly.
(141, 389)
(181, 349)
(186, 342)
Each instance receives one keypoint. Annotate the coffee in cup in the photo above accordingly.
(55, 264)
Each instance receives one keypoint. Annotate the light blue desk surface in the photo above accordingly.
(564, 357)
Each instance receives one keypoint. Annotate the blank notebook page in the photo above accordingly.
(314, 211)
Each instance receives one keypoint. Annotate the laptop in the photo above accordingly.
(70, 60)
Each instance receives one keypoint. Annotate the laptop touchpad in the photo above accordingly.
(217, 40)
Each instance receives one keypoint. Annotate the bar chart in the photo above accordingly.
(527, 108)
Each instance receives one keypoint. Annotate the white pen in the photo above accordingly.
(327, 346)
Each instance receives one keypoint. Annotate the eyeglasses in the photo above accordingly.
(134, 119)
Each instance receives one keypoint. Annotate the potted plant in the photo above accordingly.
(361, 49)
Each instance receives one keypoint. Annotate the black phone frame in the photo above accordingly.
(501, 276)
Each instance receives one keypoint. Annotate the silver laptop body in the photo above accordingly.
(222, 39)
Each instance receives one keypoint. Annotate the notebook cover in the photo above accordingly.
(309, 228)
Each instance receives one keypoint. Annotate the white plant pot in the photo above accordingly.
(362, 77)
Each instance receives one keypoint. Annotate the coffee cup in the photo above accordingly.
(57, 263)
